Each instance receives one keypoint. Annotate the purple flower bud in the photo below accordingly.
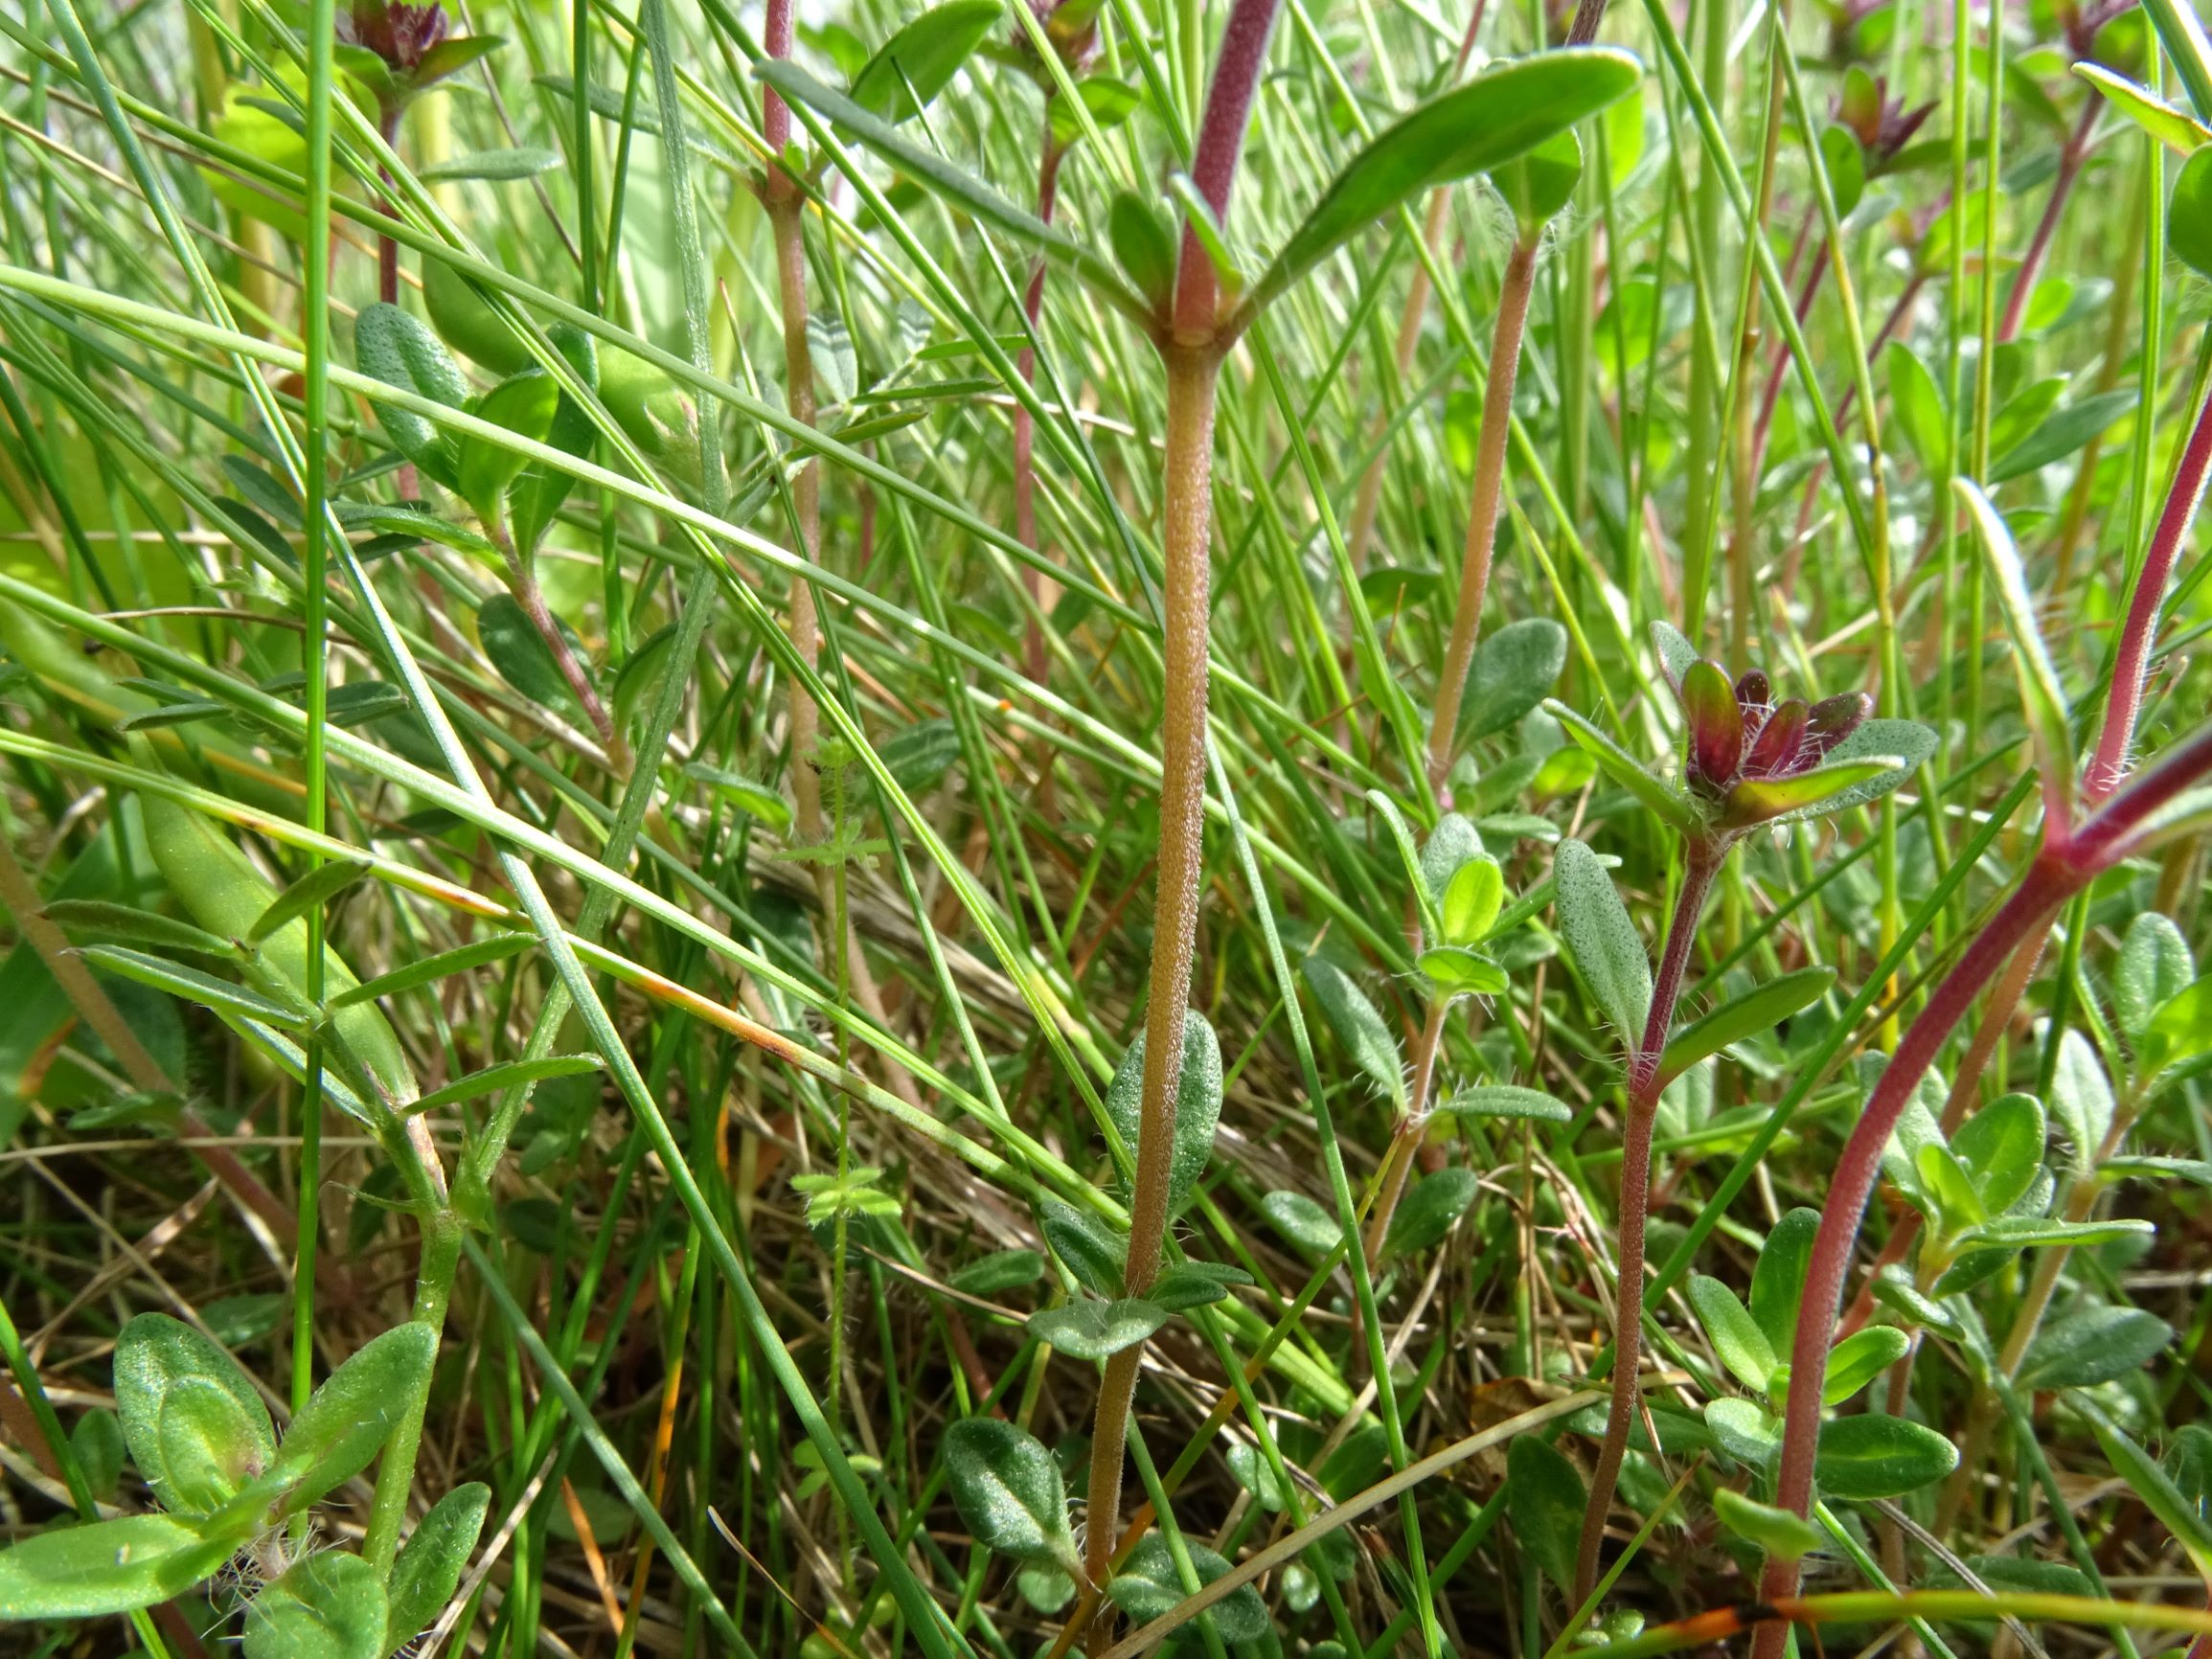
(1779, 743)
(1715, 725)
(1834, 719)
(401, 35)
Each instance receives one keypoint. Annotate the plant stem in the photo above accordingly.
(1701, 861)
(2029, 909)
(1024, 423)
(1193, 369)
(1190, 433)
(2132, 660)
(2071, 154)
(1405, 1135)
(1482, 513)
(532, 599)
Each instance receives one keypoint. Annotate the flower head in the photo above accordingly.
(1743, 749)
(1881, 124)
(401, 35)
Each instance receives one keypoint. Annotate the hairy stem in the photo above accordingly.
(2071, 156)
(2022, 916)
(1700, 863)
(1190, 453)
(2132, 660)
(1482, 513)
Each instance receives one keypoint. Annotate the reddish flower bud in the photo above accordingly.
(1834, 719)
(1779, 742)
(1715, 725)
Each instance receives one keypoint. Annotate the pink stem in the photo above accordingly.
(1214, 167)
(2070, 159)
(1774, 376)
(2049, 882)
(1700, 863)
(2110, 761)
(776, 35)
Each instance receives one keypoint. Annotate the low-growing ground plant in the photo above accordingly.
(1103, 827)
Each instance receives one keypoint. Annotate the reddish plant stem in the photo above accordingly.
(1482, 513)
(2071, 156)
(532, 598)
(1772, 396)
(1024, 423)
(1214, 163)
(1701, 862)
(387, 250)
(2004, 1001)
(2049, 882)
(2109, 764)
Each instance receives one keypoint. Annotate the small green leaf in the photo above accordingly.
(1805, 794)
(2043, 702)
(231, 1001)
(2086, 1345)
(392, 347)
(1859, 1358)
(2150, 1483)
(520, 653)
(1149, 1586)
(1093, 1252)
(97, 916)
(196, 1429)
(1097, 1330)
(538, 493)
(1735, 1335)
(96, 1440)
(1546, 1500)
(1514, 669)
(2061, 434)
(522, 403)
(1457, 972)
(498, 165)
(1453, 841)
(348, 1420)
(1759, 1009)
(1539, 185)
(2081, 1099)
(999, 1272)
(1044, 1587)
(1212, 238)
(1429, 1207)
(1507, 1100)
(1846, 167)
(1780, 1534)
(1604, 941)
(317, 888)
(1873, 1456)
(428, 1568)
(1945, 1181)
(85, 1572)
(1144, 245)
(1193, 1285)
(2180, 1031)
(330, 1605)
(1503, 113)
(460, 960)
(2174, 128)
(1919, 408)
(1008, 1490)
(1471, 901)
(1745, 1430)
(919, 757)
(453, 54)
(1778, 1277)
(1373, 1050)
(2189, 214)
(1302, 1221)
(1898, 745)
(499, 1078)
(2035, 1232)
(1197, 1105)
(921, 59)
(2003, 1148)
(1252, 1473)
(754, 800)
(1109, 103)
(1665, 803)
(2153, 967)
